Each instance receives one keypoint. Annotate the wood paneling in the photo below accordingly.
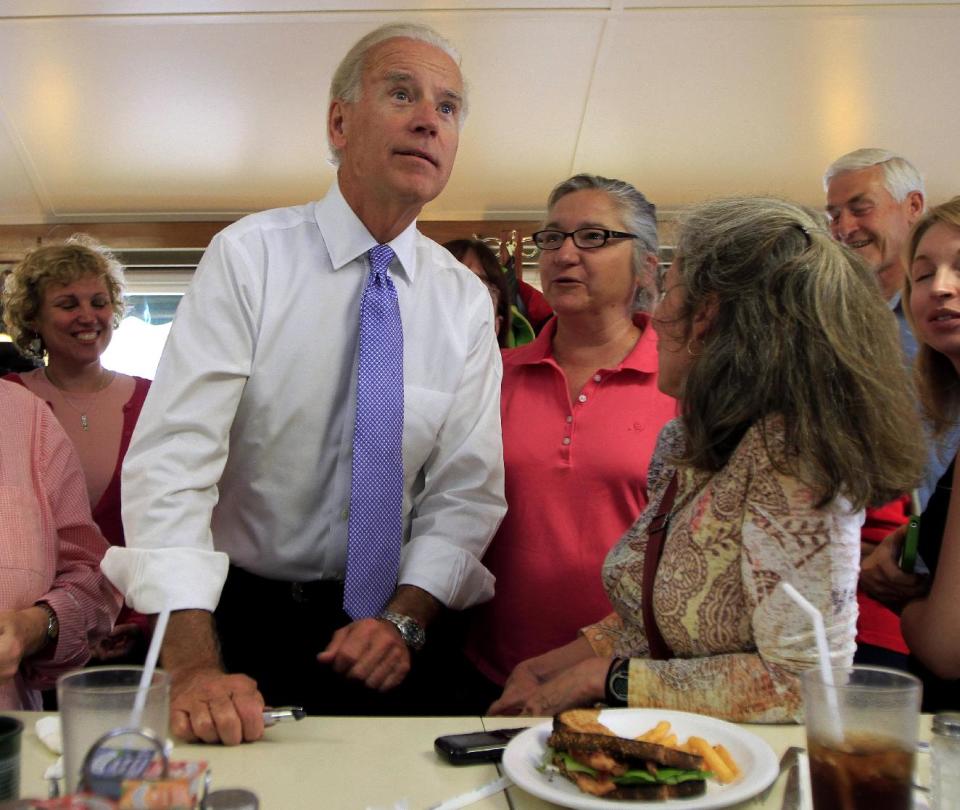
(15, 240)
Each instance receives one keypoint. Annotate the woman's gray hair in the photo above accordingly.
(799, 334)
(639, 217)
(347, 82)
(900, 176)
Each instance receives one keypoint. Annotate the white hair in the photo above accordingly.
(347, 82)
(900, 176)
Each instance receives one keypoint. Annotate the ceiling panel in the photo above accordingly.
(205, 109)
(699, 104)
(163, 116)
(18, 200)
(530, 77)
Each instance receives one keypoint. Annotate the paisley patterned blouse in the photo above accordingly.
(738, 640)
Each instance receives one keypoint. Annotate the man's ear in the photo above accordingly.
(914, 203)
(336, 123)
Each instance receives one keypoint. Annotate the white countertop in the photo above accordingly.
(365, 763)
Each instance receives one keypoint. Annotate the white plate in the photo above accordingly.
(758, 763)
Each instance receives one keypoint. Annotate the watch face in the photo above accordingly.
(619, 681)
(410, 630)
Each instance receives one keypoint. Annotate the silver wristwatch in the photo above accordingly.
(411, 631)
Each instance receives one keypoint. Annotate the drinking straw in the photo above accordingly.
(466, 799)
(136, 715)
(823, 655)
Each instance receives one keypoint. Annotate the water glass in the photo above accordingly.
(96, 700)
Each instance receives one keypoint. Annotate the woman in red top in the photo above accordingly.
(581, 411)
(61, 304)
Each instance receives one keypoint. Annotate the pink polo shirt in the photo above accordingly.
(576, 479)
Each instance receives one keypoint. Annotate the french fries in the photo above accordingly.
(716, 758)
(657, 733)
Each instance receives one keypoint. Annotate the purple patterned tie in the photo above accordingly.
(375, 528)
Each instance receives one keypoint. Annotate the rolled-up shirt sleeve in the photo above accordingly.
(461, 503)
(180, 445)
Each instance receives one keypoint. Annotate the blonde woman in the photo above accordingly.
(61, 304)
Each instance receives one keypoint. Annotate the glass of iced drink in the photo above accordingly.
(97, 700)
(861, 737)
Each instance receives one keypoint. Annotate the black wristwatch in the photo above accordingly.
(53, 624)
(411, 631)
(618, 679)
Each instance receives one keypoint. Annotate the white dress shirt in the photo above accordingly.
(243, 448)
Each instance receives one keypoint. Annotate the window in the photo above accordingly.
(152, 299)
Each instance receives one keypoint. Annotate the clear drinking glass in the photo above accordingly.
(96, 700)
(861, 737)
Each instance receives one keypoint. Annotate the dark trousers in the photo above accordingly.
(273, 630)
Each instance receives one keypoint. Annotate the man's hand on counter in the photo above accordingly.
(207, 705)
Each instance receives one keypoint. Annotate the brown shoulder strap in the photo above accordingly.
(656, 534)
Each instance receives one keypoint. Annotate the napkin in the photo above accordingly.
(48, 732)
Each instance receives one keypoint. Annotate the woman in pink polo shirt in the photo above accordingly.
(581, 412)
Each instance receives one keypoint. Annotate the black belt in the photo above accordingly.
(303, 593)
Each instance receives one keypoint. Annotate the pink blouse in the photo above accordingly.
(51, 548)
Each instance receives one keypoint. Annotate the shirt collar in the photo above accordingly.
(642, 357)
(347, 238)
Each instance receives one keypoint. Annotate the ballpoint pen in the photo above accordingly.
(283, 714)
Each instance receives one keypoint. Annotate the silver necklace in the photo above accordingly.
(80, 411)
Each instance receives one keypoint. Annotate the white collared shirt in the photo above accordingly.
(244, 444)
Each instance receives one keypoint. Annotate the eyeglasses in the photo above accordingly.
(585, 238)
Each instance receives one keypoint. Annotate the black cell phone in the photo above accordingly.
(480, 746)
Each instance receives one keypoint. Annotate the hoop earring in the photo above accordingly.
(691, 351)
(35, 346)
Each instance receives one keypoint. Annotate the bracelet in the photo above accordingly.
(618, 678)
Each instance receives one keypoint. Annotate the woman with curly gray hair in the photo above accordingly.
(61, 304)
(793, 420)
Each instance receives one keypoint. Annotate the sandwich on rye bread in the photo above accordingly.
(602, 764)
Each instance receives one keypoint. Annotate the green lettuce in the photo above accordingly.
(664, 776)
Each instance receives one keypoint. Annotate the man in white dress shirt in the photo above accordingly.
(241, 460)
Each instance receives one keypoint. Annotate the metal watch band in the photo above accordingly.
(411, 631)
